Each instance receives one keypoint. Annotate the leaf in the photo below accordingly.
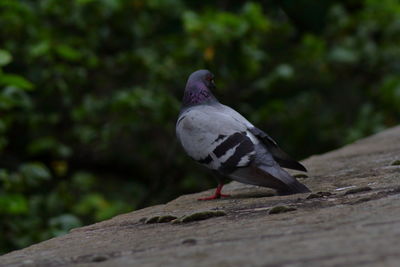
(12, 96)
(285, 71)
(69, 53)
(62, 224)
(5, 57)
(60, 167)
(14, 204)
(343, 55)
(83, 180)
(35, 173)
(15, 80)
(49, 145)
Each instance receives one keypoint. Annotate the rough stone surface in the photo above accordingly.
(337, 226)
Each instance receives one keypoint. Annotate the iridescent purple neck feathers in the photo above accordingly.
(197, 91)
(197, 94)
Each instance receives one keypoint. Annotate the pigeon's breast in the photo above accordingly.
(196, 134)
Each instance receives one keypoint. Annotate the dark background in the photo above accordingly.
(90, 91)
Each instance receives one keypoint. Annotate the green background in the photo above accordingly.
(90, 91)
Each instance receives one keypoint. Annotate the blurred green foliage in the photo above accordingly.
(90, 91)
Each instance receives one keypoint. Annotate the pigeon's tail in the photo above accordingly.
(285, 183)
(270, 176)
(294, 188)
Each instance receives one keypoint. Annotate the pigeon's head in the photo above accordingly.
(198, 88)
(204, 77)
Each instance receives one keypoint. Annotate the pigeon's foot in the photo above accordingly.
(216, 195)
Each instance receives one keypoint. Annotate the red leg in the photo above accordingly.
(217, 193)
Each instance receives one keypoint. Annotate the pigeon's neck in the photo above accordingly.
(197, 94)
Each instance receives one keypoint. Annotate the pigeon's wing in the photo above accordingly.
(279, 155)
(215, 139)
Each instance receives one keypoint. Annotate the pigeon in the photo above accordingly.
(221, 139)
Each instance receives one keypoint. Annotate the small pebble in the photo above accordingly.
(311, 196)
(319, 195)
(153, 219)
(300, 176)
(344, 188)
(99, 258)
(166, 218)
(198, 216)
(189, 241)
(358, 190)
(281, 209)
(396, 162)
(177, 220)
(361, 200)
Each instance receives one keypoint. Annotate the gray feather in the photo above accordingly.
(265, 171)
(224, 141)
(215, 139)
(283, 159)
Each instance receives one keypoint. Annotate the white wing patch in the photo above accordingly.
(216, 139)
